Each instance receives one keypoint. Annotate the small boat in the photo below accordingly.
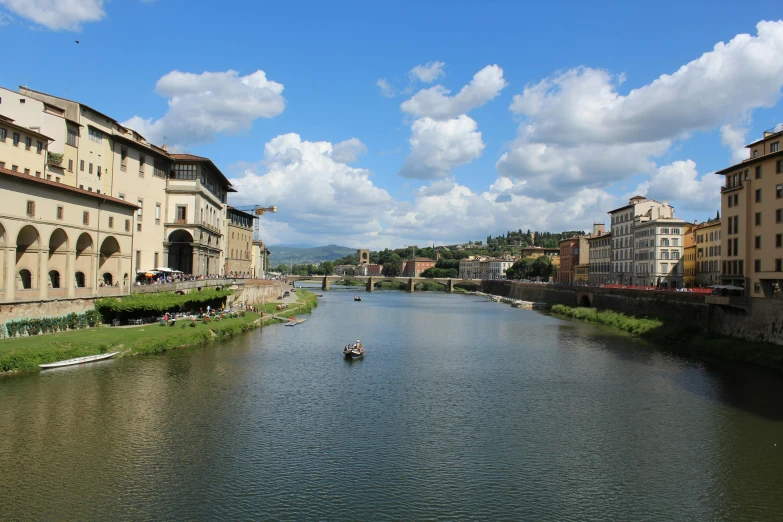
(320, 295)
(291, 323)
(78, 360)
(357, 298)
(353, 351)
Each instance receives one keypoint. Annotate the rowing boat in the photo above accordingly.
(78, 360)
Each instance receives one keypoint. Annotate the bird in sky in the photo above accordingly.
(77, 41)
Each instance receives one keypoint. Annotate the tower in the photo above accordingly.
(363, 255)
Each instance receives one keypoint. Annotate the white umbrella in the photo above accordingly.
(164, 269)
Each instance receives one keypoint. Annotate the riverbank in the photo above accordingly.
(682, 338)
(26, 353)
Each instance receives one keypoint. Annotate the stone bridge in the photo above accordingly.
(410, 282)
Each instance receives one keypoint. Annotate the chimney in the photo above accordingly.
(165, 147)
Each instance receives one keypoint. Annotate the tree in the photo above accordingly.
(283, 268)
(542, 267)
(522, 269)
(440, 272)
(393, 266)
(327, 267)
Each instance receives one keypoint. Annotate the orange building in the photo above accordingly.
(414, 267)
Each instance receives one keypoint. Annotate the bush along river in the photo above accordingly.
(460, 409)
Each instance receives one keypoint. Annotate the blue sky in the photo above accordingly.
(568, 114)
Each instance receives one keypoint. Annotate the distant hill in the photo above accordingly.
(299, 255)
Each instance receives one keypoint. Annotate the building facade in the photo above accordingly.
(573, 252)
(581, 274)
(414, 267)
(239, 239)
(708, 253)
(689, 266)
(752, 219)
(60, 241)
(23, 150)
(659, 248)
(600, 255)
(622, 223)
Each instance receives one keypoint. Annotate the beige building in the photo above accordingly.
(61, 241)
(259, 259)
(752, 224)
(622, 268)
(707, 237)
(239, 241)
(600, 258)
(23, 150)
(659, 249)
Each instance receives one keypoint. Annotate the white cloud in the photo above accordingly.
(57, 14)
(206, 104)
(428, 72)
(436, 103)
(319, 198)
(579, 129)
(733, 138)
(439, 146)
(348, 151)
(679, 184)
(385, 87)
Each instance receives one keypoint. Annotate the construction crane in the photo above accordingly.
(258, 210)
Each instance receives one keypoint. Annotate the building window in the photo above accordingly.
(27, 171)
(779, 166)
(757, 242)
(99, 171)
(123, 159)
(755, 153)
(774, 147)
(157, 213)
(182, 213)
(758, 172)
(3, 134)
(186, 171)
(779, 215)
(70, 165)
(121, 196)
(730, 200)
(38, 147)
(758, 221)
(71, 139)
(138, 259)
(17, 138)
(127, 225)
(757, 265)
(777, 265)
(15, 168)
(90, 169)
(95, 135)
(138, 227)
(85, 218)
(756, 287)
(156, 260)
(28, 142)
(140, 203)
(142, 163)
(758, 195)
(779, 191)
(778, 240)
(60, 213)
(31, 209)
(159, 169)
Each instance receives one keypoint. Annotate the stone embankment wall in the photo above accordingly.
(258, 291)
(758, 320)
(49, 308)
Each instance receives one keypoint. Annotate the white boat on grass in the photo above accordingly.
(79, 360)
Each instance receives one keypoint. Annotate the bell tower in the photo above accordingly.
(363, 255)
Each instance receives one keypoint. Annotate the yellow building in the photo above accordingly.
(581, 274)
(23, 150)
(239, 261)
(61, 241)
(708, 253)
(752, 219)
(689, 266)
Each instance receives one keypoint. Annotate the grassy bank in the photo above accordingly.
(26, 353)
(681, 337)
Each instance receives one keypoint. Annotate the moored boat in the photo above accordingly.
(357, 298)
(78, 360)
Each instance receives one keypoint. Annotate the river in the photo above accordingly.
(461, 409)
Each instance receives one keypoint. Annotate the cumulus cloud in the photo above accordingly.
(348, 151)
(580, 117)
(733, 138)
(679, 183)
(439, 146)
(333, 200)
(436, 102)
(385, 88)
(428, 72)
(206, 104)
(57, 15)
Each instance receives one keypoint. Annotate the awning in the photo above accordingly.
(727, 287)
(164, 269)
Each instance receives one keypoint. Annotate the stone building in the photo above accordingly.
(659, 248)
(414, 267)
(239, 239)
(61, 241)
(573, 252)
(752, 219)
(600, 258)
(708, 253)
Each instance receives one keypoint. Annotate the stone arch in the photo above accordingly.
(79, 280)
(54, 279)
(125, 280)
(584, 301)
(85, 255)
(109, 263)
(2, 235)
(181, 251)
(3, 256)
(28, 246)
(25, 279)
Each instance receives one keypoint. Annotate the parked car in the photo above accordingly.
(286, 294)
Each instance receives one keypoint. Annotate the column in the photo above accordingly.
(370, 285)
(411, 286)
(43, 274)
(325, 284)
(69, 278)
(94, 272)
(10, 274)
(450, 286)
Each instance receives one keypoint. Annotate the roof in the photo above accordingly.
(10, 122)
(598, 236)
(27, 178)
(201, 159)
(751, 161)
(145, 146)
(66, 100)
(421, 259)
(237, 211)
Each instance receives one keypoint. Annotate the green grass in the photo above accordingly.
(681, 337)
(26, 353)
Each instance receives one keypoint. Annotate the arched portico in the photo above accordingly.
(59, 262)
(181, 251)
(110, 258)
(28, 261)
(84, 262)
(3, 259)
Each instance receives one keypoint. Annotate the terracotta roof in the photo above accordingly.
(188, 157)
(67, 188)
